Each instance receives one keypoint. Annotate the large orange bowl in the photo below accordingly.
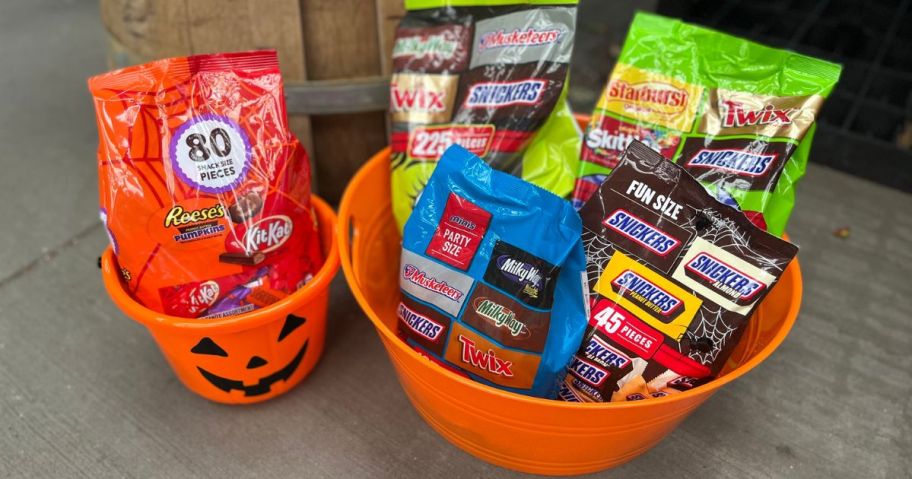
(510, 430)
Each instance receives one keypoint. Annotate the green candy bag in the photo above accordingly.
(738, 116)
(490, 76)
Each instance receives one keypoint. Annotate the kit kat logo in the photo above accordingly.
(652, 97)
(736, 161)
(204, 295)
(268, 234)
(587, 371)
(425, 46)
(636, 288)
(641, 232)
(501, 316)
(497, 94)
(529, 37)
(418, 99)
(725, 278)
(419, 323)
(416, 276)
(485, 360)
(735, 115)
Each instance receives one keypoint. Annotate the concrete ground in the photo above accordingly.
(84, 392)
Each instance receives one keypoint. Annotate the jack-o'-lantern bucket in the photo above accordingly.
(252, 356)
(510, 430)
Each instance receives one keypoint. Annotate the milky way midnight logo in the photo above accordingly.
(522, 274)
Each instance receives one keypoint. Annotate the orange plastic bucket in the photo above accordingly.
(250, 357)
(510, 430)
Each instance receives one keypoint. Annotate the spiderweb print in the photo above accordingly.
(725, 231)
(598, 253)
(710, 323)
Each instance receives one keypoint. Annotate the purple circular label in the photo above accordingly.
(210, 153)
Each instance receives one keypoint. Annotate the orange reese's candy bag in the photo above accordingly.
(205, 193)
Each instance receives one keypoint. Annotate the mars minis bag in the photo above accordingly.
(736, 115)
(488, 75)
(492, 277)
(205, 193)
(674, 276)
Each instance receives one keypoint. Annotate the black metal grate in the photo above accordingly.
(866, 124)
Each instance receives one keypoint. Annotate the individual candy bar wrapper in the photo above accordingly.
(204, 190)
(738, 116)
(492, 276)
(488, 75)
(674, 277)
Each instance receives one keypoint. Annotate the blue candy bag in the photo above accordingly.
(492, 276)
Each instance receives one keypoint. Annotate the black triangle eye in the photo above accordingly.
(292, 323)
(208, 346)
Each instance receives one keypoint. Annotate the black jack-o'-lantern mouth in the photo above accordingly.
(208, 347)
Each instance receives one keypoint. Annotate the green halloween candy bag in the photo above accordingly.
(737, 115)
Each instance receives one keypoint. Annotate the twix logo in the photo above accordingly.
(421, 99)
(486, 360)
(735, 114)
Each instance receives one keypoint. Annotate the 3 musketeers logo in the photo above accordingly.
(416, 276)
(529, 37)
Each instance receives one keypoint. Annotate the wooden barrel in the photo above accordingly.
(334, 57)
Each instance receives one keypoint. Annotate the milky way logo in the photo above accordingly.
(426, 46)
(501, 316)
(522, 274)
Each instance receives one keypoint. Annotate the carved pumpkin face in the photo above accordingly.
(260, 372)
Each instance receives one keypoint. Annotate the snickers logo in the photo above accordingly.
(723, 277)
(641, 232)
(498, 94)
(588, 372)
(736, 161)
(644, 292)
(420, 324)
(601, 352)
